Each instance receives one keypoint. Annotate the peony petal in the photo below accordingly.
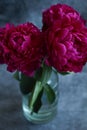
(61, 48)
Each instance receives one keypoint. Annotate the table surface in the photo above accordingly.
(72, 105)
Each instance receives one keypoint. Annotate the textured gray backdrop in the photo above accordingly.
(72, 107)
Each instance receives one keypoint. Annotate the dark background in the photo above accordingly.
(72, 107)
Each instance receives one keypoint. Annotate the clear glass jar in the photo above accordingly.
(47, 111)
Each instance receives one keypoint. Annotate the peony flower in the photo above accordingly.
(22, 48)
(57, 12)
(2, 38)
(65, 38)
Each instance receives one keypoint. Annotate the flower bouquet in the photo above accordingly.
(37, 56)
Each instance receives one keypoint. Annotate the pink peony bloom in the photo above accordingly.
(65, 37)
(22, 48)
(2, 38)
(57, 12)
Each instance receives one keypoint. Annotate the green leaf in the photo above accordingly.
(35, 97)
(50, 93)
(38, 103)
(46, 74)
(26, 84)
(38, 73)
(16, 75)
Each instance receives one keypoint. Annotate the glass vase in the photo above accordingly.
(47, 111)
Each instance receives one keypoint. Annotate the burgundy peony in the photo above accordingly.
(59, 11)
(22, 48)
(65, 37)
(2, 39)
